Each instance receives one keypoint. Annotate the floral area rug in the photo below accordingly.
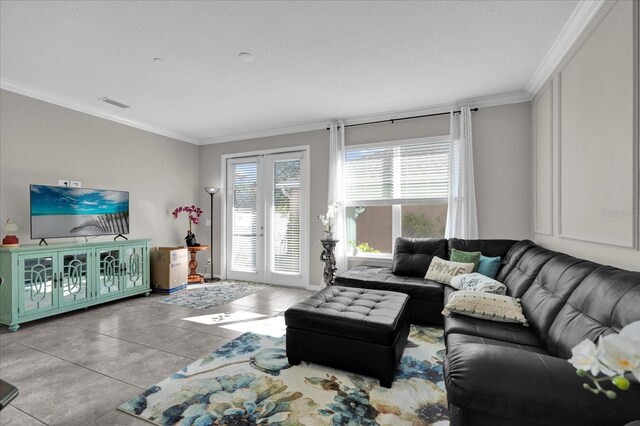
(248, 382)
(205, 296)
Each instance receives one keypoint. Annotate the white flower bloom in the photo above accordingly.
(329, 218)
(632, 331)
(584, 357)
(621, 352)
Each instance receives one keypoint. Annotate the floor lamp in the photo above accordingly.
(211, 191)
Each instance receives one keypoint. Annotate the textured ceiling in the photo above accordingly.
(313, 60)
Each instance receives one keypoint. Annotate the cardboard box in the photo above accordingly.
(169, 269)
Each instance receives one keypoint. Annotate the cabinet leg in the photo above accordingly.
(147, 293)
(14, 328)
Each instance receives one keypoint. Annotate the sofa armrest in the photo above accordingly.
(530, 387)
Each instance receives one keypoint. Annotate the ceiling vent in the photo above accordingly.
(114, 103)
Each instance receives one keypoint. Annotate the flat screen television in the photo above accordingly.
(58, 212)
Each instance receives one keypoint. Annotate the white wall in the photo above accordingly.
(586, 153)
(501, 156)
(502, 143)
(41, 143)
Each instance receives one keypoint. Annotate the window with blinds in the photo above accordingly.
(400, 174)
(395, 189)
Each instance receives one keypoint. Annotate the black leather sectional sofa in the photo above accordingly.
(505, 373)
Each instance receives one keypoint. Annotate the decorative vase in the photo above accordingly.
(190, 239)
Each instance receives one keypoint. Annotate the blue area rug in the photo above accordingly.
(248, 381)
(206, 296)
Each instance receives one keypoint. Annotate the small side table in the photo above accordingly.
(194, 276)
(329, 259)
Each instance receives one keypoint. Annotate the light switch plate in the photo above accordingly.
(75, 184)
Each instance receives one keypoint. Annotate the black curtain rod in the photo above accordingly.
(392, 120)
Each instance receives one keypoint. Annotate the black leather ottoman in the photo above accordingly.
(353, 329)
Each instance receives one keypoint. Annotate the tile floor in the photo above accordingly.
(78, 368)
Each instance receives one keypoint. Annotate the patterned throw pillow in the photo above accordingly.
(442, 271)
(488, 266)
(478, 282)
(466, 257)
(487, 306)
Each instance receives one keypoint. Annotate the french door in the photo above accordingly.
(267, 219)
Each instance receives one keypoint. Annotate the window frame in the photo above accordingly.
(396, 203)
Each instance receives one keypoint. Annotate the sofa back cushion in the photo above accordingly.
(488, 248)
(521, 265)
(412, 256)
(550, 290)
(604, 302)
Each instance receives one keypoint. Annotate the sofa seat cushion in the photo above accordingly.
(526, 386)
(506, 332)
(379, 278)
(426, 297)
(355, 313)
(455, 339)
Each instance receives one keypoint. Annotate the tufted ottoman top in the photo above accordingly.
(374, 316)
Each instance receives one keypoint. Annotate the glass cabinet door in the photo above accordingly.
(72, 278)
(109, 272)
(39, 289)
(133, 267)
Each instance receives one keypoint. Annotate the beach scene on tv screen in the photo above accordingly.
(76, 212)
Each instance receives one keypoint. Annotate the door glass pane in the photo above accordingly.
(74, 278)
(133, 267)
(38, 284)
(109, 274)
(286, 217)
(244, 217)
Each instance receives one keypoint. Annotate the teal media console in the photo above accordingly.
(40, 281)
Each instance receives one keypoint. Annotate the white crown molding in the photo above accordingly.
(574, 27)
(482, 102)
(264, 133)
(84, 108)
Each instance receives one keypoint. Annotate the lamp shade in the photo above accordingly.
(211, 190)
(10, 226)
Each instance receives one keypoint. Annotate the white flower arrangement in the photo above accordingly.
(328, 219)
(614, 355)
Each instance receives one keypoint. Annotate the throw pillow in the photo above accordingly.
(442, 271)
(478, 282)
(487, 306)
(466, 257)
(488, 266)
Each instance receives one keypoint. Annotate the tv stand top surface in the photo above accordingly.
(72, 245)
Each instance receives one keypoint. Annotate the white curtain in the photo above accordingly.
(462, 218)
(336, 191)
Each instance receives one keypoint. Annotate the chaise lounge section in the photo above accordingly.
(500, 373)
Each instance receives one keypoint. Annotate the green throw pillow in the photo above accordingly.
(466, 257)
